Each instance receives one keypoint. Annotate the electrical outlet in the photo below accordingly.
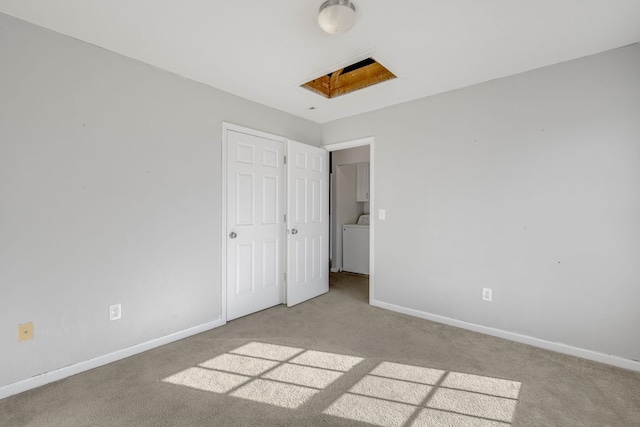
(487, 294)
(115, 312)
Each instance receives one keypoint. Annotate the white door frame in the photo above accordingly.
(226, 127)
(358, 143)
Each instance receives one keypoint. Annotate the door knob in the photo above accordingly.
(233, 235)
(294, 231)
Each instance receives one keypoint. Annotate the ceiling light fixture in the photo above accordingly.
(337, 16)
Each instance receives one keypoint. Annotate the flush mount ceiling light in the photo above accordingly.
(337, 16)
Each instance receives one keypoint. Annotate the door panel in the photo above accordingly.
(316, 257)
(255, 223)
(245, 198)
(245, 267)
(270, 261)
(308, 215)
(316, 201)
(301, 201)
(271, 199)
(300, 264)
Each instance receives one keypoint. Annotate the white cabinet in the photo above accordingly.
(362, 182)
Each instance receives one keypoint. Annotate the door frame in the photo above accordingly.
(223, 226)
(370, 140)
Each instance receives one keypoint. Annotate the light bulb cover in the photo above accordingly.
(337, 16)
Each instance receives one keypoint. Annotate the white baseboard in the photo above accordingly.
(67, 371)
(608, 359)
(335, 270)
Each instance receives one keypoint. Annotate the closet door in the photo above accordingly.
(255, 231)
(307, 222)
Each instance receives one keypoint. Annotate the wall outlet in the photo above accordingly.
(25, 331)
(115, 312)
(487, 294)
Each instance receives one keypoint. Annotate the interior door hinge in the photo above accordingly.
(285, 277)
(285, 160)
(285, 217)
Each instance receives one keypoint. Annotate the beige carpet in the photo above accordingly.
(335, 361)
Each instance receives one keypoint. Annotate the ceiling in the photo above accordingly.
(263, 50)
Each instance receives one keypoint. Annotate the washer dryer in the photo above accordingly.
(355, 246)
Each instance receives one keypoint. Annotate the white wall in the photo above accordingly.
(110, 191)
(529, 185)
(344, 207)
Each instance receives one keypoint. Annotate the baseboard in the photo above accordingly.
(67, 371)
(608, 359)
(335, 270)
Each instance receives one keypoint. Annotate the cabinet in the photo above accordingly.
(362, 182)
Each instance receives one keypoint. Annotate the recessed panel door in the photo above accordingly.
(255, 223)
(308, 222)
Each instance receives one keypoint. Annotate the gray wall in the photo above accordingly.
(529, 185)
(110, 191)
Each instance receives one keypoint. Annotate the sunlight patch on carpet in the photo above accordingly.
(370, 410)
(303, 375)
(408, 373)
(479, 405)
(391, 394)
(436, 398)
(320, 359)
(479, 384)
(239, 364)
(275, 393)
(435, 418)
(204, 379)
(268, 373)
(390, 389)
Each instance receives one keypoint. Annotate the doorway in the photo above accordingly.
(354, 158)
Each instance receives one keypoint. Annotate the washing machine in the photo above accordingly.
(355, 246)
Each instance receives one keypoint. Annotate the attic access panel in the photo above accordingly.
(356, 76)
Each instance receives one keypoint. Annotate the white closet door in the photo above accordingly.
(255, 223)
(307, 222)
